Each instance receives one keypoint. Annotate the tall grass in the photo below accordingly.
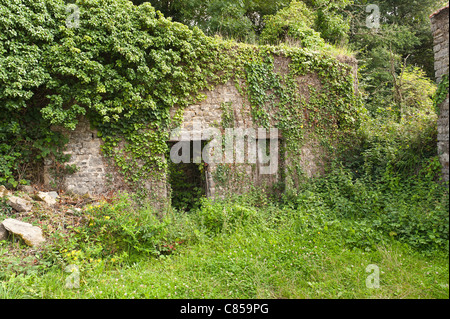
(304, 246)
(382, 205)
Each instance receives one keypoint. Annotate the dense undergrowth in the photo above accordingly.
(314, 243)
(381, 202)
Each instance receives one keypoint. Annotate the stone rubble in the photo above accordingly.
(3, 232)
(31, 235)
(45, 197)
(19, 204)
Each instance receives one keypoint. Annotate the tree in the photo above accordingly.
(244, 19)
(239, 19)
(126, 65)
(404, 31)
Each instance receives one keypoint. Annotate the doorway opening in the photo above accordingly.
(187, 179)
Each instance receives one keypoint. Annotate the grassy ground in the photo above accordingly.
(332, 239)
(250, 262)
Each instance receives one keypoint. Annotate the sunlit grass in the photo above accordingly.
(253, 264)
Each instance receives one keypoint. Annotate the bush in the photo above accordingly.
(50, 74)
(412, 210)
(223, 216)
(119, 230)
(293, 23)
(384, 145)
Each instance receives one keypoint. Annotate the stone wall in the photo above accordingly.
(97, 175)
(84, 149)
(225, 98)
(208, 114)
(440, 29)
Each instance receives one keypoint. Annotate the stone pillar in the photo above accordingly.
(440, 29)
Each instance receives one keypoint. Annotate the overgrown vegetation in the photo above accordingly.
(187, 183)
(314, 243)
(126, 85)
(380, 202)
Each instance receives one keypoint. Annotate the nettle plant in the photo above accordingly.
(125, 66)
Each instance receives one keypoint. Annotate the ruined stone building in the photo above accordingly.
(98, 175)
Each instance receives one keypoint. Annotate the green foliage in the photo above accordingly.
(404, 32)
(25, 140)
(239, 19)
(222, 174)
(246, 20)
(261, 80)
(97, 69)
(218, 217)
(392, 179)
(441, 93)
(187, 185)
(332, 20)
(333, 110)
(126, 85)
(316, 242)
(384, 145)
(118, 227)
(307, 24)
(414, 210)
(228, 117)
(417, 92)
(228, 18)
(122, 231)
(6, 209)
(127, 66)
(400, 21)
(292, 23)
(381, 62)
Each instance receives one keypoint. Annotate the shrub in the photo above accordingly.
(293, 23)
(223, 216)
(119, 229)
(385, 144)
(413, 210)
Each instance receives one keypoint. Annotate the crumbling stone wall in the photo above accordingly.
(84, 147)
(97, 175)
(440, 29)
(209, 114)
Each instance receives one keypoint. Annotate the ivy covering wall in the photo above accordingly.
(125, 67)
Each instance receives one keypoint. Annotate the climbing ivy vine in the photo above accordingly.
(441, 93)
(125, 67)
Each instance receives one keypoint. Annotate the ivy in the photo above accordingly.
(261, 80)
(441, 93)
(330, 113)
(228, 117)
(126, 67)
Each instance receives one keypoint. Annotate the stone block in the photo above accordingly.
(3, 232)
(32, 235)
(45, 197)
(19, 204)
